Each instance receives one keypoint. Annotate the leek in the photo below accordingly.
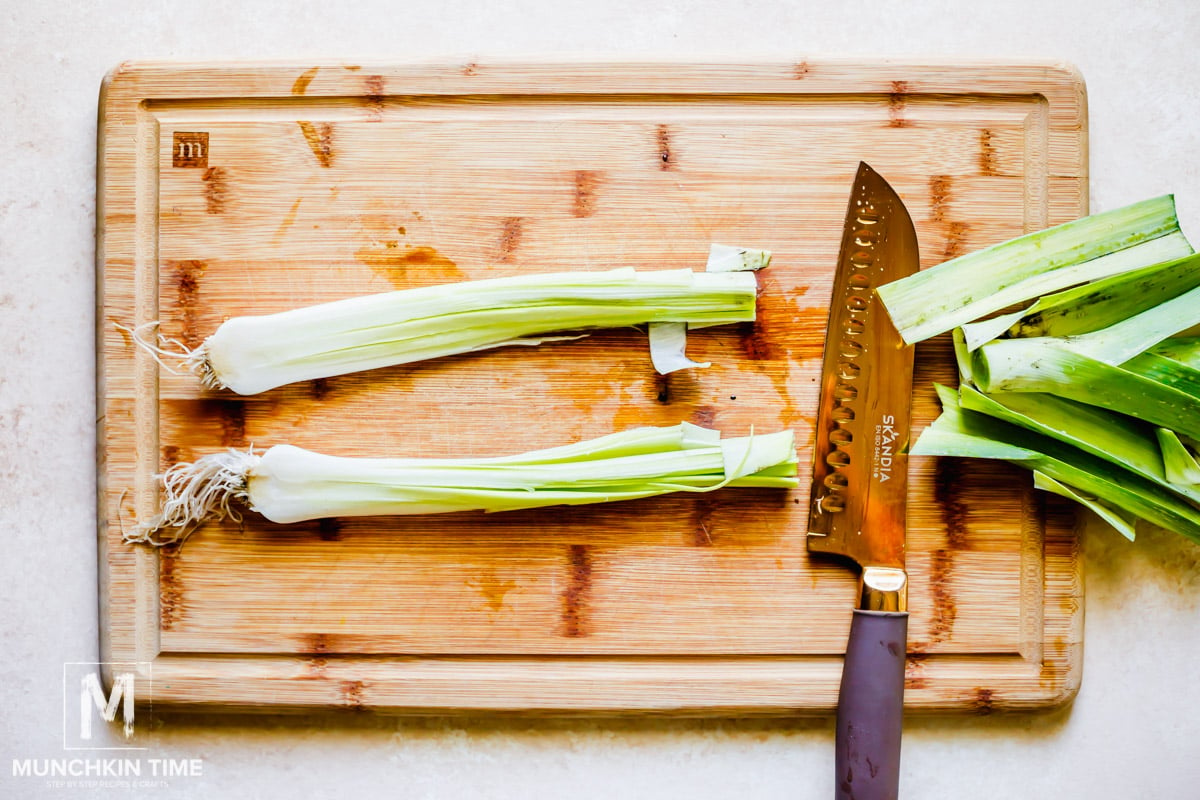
(974, 285)
(1186, 351)
(1117, 438)
(1123, 340)
(1093, 306)
(288, 484)
(1010, 366)
(724, 258)
(1179, 460)
(1163, 364)
(668, 343)
(252, 354)
(668, 340)
(960, 432)
(1122, 521)
(1094, 388)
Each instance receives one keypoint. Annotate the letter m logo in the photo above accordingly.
(189, 149)
(91, 693)
(85, 700)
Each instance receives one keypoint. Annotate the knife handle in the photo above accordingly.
(870, 707)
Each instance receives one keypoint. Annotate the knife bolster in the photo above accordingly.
(883, 589)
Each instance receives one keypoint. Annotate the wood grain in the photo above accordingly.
(323, 181)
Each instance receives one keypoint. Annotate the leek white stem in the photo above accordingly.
(668, 340)
(253, 354)
(288, 484)
(723, 258)
(668, 345)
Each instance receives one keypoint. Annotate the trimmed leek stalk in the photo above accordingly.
(288, 484)
(252, 354)
(963, 433)
(1089, 367)
(1120, 341)
(1185, 351)
(972, 286)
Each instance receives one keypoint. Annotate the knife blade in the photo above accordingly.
(860, 481)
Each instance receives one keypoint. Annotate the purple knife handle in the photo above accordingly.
(870, 707)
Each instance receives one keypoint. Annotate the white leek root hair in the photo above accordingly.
(194, 493)
(193, 360)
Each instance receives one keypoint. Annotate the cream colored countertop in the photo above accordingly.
(1132, 732)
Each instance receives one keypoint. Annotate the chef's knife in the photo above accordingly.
(860, 481)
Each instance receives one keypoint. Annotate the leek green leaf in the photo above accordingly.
(1179, 460)
(1121, 521)
(977, 284)
(962, 433)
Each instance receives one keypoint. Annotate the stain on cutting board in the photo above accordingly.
(300, 86)
(374, 94)
(170, 590)
(329, 529)
(954, 232)
(289, 220)
(492, 587)
(587, 182)
(662, 136)
(577, 595)
(949, 476)
(352, 695)
(406, 266)
(987, 152)
(511, 231)
(216, 189)
(319, 136)
(897, 105)
(187, 277)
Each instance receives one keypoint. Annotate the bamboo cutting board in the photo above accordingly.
(252, 188)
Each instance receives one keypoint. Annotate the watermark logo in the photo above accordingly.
(87, 705)
(103, 704)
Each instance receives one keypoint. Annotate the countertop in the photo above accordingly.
(1131, 732)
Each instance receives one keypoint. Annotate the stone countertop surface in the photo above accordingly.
(1132, 731)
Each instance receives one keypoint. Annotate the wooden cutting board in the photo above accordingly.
(251, 188)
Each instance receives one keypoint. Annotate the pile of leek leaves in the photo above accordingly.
(1093, 384)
